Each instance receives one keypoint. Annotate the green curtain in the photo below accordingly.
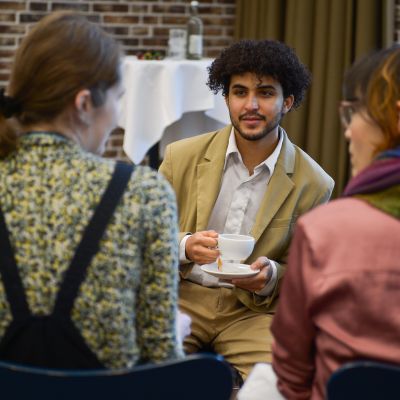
(328, 35)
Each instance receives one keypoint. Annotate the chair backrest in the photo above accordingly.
(365, 380)
(196, 377)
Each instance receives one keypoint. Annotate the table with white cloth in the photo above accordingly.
(167, 100)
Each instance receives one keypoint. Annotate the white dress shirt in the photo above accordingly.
(236, 206)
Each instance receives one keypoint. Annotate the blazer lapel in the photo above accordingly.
(209, 173)
(279, 187)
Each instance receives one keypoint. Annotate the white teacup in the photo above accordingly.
(235, 247)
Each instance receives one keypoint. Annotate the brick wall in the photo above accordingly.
(138, 25)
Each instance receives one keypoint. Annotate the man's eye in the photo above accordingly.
(266, 93)
(239, 92)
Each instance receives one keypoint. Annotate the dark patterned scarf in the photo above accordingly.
(379, 183)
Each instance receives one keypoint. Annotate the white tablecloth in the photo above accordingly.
(167, 100)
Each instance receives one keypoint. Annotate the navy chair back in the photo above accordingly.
(365, 380)
(196, 377)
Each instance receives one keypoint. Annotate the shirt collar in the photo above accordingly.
(269, 162)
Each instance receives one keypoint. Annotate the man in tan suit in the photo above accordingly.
(247, 178)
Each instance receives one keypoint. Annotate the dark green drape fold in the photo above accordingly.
(328, 35)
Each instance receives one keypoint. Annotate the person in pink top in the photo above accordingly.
(340, 299)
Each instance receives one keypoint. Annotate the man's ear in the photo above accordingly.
(287, 104)
(83, 104)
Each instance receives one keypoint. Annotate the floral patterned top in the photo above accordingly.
(125, 309)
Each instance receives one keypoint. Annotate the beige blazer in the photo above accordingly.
(194, 168)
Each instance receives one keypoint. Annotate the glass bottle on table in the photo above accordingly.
(194, 33)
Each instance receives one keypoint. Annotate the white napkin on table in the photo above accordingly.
(260, 384)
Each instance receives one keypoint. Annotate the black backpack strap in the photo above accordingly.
(12, 282)
(92, 235)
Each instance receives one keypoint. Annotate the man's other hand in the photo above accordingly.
(256, 282)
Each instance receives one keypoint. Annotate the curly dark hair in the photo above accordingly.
(264, 58)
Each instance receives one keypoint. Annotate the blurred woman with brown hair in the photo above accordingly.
(341, 292)
(88, 252)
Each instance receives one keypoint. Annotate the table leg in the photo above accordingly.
(154, 158)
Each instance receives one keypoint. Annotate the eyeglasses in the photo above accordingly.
(346, 111)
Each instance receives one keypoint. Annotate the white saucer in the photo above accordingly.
(229, 270)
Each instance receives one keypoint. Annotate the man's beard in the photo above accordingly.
(271, 126)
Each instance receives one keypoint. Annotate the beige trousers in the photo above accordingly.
(226, 326)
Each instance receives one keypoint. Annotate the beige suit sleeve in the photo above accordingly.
(166, 169)
(166, 165)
